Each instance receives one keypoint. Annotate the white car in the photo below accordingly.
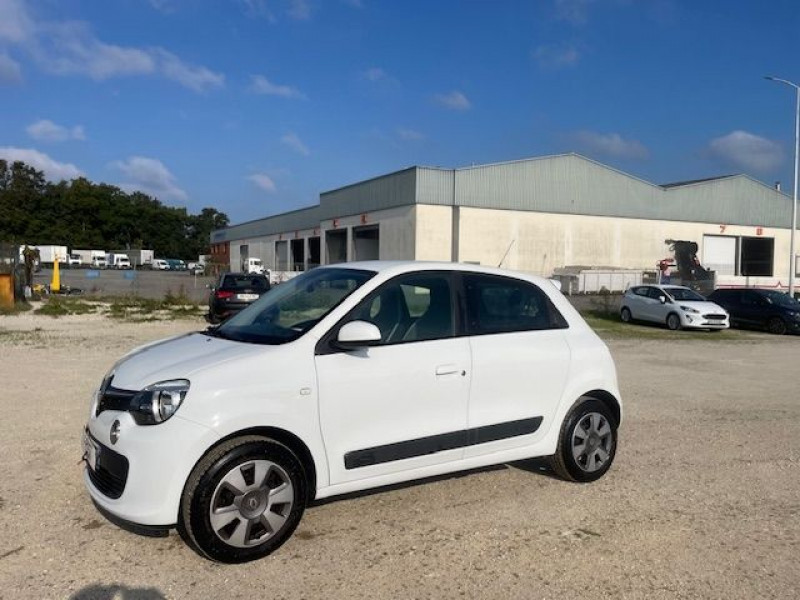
(675, 306)
(342, 379)
(159, 264)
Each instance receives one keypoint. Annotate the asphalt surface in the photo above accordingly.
(703, 500)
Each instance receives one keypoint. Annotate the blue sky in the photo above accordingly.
(256, 106)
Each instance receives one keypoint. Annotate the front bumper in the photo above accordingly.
(159, 459)
(704, 321)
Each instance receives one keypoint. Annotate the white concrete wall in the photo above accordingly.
(434, 231)
(545, 241)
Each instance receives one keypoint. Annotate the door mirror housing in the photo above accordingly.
(662, 299)
(358, 334)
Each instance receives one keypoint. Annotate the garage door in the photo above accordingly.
(719, 254)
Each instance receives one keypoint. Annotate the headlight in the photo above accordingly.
(689, 309)
(158, 402)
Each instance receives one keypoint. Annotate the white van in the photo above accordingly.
(253, 265)
(159, 264)
(118, 261)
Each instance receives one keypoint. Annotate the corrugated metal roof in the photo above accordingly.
(566, 184)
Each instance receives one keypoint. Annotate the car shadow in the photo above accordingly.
(537, 466)
(117, 592)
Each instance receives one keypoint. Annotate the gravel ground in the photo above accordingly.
(703, 500)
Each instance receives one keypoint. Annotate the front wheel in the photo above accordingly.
(673, 322)
(588, 442)
(243, 500)
(776, 325)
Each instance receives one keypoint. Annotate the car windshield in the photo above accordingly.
(685, 295)
(781, 299)
(289, 310)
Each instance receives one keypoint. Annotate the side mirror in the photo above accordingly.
(662, 299)
(358, 334)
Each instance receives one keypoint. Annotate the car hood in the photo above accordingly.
(175, 358)
(704, 307)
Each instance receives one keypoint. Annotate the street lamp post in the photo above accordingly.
(796, 163)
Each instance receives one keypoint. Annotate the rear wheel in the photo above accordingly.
(625, 315)
(673, 322)
(776, 325)
(243, 500)
(588, 442)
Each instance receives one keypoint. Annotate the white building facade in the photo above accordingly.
(535, 215)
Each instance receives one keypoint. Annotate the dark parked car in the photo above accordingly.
(766, 309)
(233, 292)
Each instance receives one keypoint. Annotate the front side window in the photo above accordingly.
(500, 304)
(411, 308)
(289, 310)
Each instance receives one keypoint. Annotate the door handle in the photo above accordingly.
(447, 370)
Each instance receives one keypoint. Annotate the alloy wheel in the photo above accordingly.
(591, 442)
(251, 503)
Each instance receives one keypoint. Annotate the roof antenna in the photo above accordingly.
(506, 254)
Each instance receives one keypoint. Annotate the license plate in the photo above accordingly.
(91, 451)
(247, 297)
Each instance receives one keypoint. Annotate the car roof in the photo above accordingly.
(397, 267)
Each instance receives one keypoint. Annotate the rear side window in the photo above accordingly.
(499, 304)
(245, 282)
(640, 291)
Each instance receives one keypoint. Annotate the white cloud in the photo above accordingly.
(263, 181)
(299, 9)
(15, 24)
(610, 145)
(747, 151)
(45, 130)
(556, 56)
(575, 12)
(261, 85)
(10, 71)
(53, 170)
(409, 135)
(70, 48)
(293, 141)
(150, 176)
(454, 100)
(374, 74)
(195, 78)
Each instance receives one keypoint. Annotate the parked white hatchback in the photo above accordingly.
(674, 306)
(346, 378)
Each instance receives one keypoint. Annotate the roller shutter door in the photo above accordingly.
(719, 254)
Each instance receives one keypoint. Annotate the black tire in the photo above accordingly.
(625, 315)
(194, 522)
(673, 322)
(776, 325)
(563, 462)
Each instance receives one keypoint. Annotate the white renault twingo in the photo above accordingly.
(346, 378)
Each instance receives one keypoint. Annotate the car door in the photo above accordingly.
(401, 404)
(636, 301)
(520, 361)
(753, 310)
(656, 310)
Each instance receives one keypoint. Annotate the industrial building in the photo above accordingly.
(535, 215)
